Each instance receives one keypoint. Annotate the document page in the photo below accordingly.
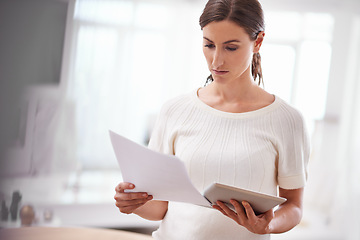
(163, 176)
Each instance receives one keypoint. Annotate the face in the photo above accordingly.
(228, 50)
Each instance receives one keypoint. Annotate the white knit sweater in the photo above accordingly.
(258, 150)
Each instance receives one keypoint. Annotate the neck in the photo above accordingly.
(234, 91)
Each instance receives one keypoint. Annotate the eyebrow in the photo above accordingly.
(230, 41)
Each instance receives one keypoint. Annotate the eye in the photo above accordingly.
(209, 45)
(231, 48)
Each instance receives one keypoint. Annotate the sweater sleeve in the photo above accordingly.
(293, 150)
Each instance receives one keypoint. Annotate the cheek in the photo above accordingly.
(249, 55)
(243, 58)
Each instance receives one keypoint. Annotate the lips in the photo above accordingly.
(219, 72)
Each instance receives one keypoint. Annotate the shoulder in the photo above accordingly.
(287, 116)
(288, 111)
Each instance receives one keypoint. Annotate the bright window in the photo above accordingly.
(132, 56)
(296, 60)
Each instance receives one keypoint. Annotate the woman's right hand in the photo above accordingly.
(128, 202)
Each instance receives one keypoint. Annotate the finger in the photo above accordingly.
(124, 185)
(219, 209)
(238, 207)
(131, 203)
(130, 209)
(249, 210)
(241, 215)
(121, 196)
(230, 213)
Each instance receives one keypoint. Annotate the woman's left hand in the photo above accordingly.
(246, 217)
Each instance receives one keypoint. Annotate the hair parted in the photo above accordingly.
(248, 14)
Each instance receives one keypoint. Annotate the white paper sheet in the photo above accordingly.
(163, 176)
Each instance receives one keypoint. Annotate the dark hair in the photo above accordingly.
(247, 14)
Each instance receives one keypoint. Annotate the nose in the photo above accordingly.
(218, 59)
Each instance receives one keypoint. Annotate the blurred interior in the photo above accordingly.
(70, 70)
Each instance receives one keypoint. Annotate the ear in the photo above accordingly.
(259, 40)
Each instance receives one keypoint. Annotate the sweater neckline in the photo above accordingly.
(253, 113)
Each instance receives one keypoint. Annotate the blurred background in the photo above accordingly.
(70, 70)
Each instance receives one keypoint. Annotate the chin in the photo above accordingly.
(221, 79)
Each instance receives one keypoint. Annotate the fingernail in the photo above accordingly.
(144, 195)
(131, 186)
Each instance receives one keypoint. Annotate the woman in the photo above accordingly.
(230, 131)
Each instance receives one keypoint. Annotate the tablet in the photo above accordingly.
(260, 202)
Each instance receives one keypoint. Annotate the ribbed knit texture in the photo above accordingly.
(257, 150)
